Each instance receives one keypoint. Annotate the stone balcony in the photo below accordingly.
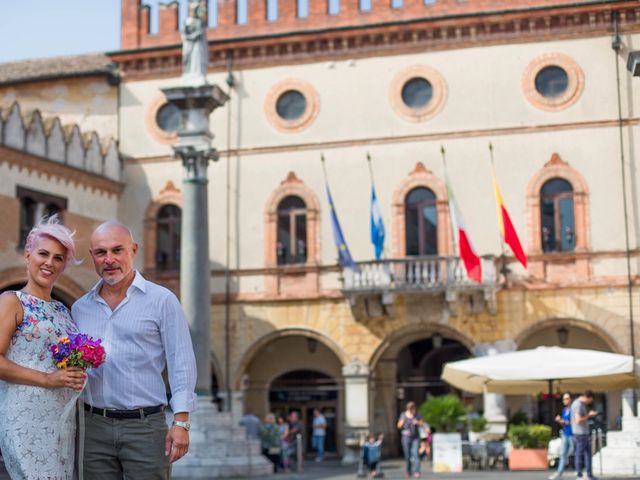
(383, 280)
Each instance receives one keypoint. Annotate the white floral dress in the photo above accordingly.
(34, 442)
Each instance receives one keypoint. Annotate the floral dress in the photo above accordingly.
(35, 443)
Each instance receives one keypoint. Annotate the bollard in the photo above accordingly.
(299, 452)
(600, 448)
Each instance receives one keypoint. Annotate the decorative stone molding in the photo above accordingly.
(559, 267)
(47, 140)
(420, 177)
(575, 84)
(169, 195)
(296, 280)
(433, 106)
(151, 121)
(309, 114)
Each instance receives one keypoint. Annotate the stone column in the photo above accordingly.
(356, 400)
(495, 408)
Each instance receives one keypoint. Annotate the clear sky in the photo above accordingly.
(49, 28)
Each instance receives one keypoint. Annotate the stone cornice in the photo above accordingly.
(416, 35)
(49, 168)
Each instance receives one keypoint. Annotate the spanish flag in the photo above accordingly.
(507, 230)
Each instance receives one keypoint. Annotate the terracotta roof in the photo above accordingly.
(55, 67)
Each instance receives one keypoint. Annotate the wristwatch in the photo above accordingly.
(185, 425)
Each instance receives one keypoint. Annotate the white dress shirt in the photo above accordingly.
(146, 332)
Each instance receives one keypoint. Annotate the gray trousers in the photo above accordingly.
(132, 449)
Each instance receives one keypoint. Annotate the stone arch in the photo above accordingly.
(65, 285)
(420, 176)
(259, 344)
(557, 322)
(169, 195)
(411, 333)
(558, 168)
(292, 185)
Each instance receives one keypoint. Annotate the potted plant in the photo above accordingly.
(477, 425)
(443, 413)
(529, 446)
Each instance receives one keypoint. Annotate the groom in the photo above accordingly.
(143, 329)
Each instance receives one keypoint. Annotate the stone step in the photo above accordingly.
(624, 440)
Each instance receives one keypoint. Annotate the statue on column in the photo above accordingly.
(195, 51)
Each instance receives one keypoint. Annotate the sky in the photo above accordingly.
(32, 29)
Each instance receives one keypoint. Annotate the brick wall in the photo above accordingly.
(135, 17)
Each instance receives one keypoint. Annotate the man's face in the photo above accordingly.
(566, 399)
(113, 251)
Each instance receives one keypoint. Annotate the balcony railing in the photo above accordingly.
(417, 275)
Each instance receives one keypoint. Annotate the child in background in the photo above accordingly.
(371, 452)
(425, 441)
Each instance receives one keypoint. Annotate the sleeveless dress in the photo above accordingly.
(34, 443)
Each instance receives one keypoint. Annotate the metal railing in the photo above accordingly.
(416, 274)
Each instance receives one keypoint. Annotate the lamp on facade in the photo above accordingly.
(436, 340)
(633, 63)
(563, 335)
(312, 345)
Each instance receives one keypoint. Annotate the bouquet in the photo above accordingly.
(78, 350)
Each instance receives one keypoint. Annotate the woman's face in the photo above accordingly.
(45, 262)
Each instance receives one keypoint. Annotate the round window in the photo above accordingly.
(417, 92)
(168, 118)
(291, 105)
(552, 81)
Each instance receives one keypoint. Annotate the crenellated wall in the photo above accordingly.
(136, 31)
(47, 138)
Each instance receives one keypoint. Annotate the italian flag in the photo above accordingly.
(507, 229)
(468, 255)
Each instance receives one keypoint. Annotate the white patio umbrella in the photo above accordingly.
(534, 371)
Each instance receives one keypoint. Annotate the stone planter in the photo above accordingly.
(528, 459)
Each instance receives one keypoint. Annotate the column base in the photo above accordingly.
(219, 448)
(352, 441)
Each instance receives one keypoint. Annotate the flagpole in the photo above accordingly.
(453, 234)
(503, 256)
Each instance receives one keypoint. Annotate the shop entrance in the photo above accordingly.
(302, 391)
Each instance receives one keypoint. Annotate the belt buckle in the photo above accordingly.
(141, 411)
(104, 412)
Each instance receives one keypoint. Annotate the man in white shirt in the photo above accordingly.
(319, 433)
(143, 330)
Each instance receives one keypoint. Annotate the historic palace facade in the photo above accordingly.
(543, 81)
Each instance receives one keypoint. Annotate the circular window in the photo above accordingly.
(168, 118)
(552, 82)
(417, 92)
(291, 105)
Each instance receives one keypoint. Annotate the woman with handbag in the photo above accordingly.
(271, 444)
(409, 425)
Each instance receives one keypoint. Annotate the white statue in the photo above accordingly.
(195, 52)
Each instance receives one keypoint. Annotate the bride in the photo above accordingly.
(33, 392)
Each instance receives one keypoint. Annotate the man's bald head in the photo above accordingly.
(113, 250)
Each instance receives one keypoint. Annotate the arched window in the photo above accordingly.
(168, 238)
(557, 218)
(291, 245)
(421, 222)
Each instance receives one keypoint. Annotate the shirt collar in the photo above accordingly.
(139, 282)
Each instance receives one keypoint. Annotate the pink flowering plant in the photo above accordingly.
(78, 350)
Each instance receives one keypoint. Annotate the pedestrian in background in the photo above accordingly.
(409, 425)
(283, 430)
(371, 453)
(581, 435)
(270, 436)
(252, 425)
(295, 428)
(319, 434)
(564, 419)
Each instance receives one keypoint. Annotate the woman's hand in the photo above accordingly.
(72, 377)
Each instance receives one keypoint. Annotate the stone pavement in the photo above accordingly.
(393, 470)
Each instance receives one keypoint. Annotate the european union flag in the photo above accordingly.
(377, 226)
(344, 255)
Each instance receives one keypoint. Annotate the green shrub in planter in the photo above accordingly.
(444, 413)
(529, 436)
(519, 418)
(478, 424)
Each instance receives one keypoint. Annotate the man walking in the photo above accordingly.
(564, 419)
(581, 433)
(319, 434)
(144, 330)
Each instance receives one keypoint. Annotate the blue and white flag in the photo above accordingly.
(377, 226)
(344, 255)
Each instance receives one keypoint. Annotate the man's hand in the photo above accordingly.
(592, 414)
(176, 444)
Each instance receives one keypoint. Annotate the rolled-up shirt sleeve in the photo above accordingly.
(181, 361)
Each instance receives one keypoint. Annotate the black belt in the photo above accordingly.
(112, 413)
